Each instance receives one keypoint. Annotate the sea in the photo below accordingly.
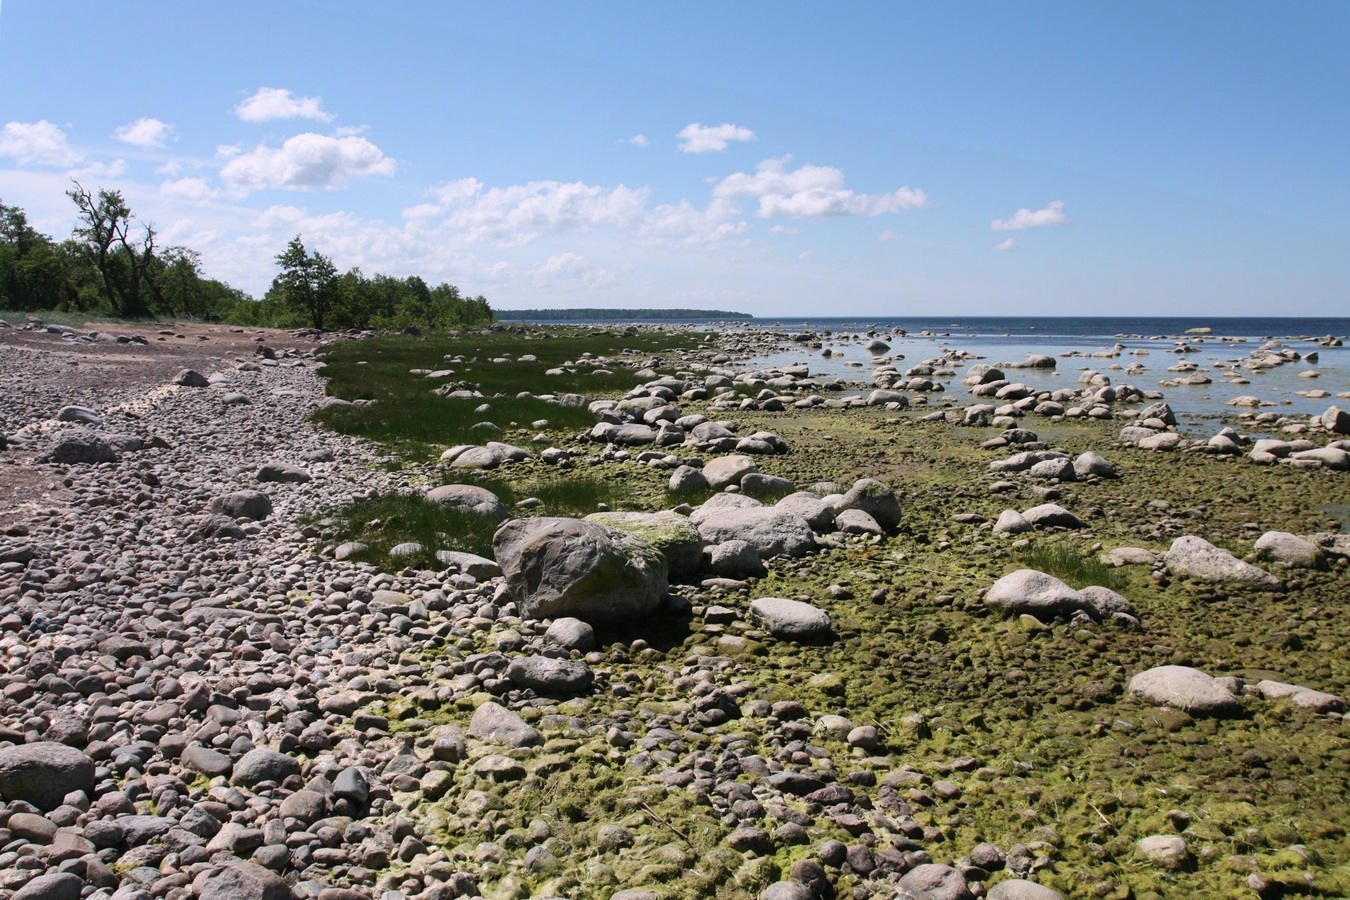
(1213, 346)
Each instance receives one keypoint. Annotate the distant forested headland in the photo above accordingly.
(596, 314)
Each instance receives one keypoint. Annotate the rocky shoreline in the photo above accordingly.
(195, 701)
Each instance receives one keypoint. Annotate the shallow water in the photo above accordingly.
(1073, 342)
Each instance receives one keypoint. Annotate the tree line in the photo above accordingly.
(598, 314)
(112, 265)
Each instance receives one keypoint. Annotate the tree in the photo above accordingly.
(35, 273)
(103, 237)
(307, 282)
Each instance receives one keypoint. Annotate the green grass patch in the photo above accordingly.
(1071, 566)
(408, 414)
(386, 520)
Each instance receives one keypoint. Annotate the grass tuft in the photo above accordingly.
(1071, 566)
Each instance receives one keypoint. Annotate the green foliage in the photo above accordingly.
(409, 415)
(1071, 566)
(105, 268)
(386, 520)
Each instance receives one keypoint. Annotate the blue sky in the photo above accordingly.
(782, 159)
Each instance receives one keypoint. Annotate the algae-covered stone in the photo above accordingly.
(671, 533)
(572, 567)
(875, 499)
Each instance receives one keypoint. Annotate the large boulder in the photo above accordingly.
(1037, 594)
(282, 473)
(875, 499)
(43, 773)
(1052, 515)
(494, 722)
(811, 507)
(263, 764)
(1286, 549)
(470, 498)
(234, 879)
(727, 470)
(1336, 420)
(1194, 557)
(242, 505)
(771, 531)
(790, 619)
(550, 675)
(671, 533)
(1186, 689)
(572, 567)
(77, 445)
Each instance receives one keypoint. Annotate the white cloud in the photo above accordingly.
(37, 143)
(306, 161)
(1009, 244)
(279, 103)
(696, 138)
(519, 213)
(812, 191)
(96, 169)
(639, 140)
(195, 189)
(146, 133)
(683, 223)
(785, 229)
(1026, 218)
(887, 236)
(575, 267)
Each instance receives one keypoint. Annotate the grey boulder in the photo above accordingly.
(771, 531)
(571, 567)
(77, 445)
(790, 619)
(262, 764)
(875, 499)
(234, 879)
(242, 505)
(494, 722)
(470, 498)
(1036, 593)
(1194, 557)
(549, 675)
(42, 773)
(671, 533)
(1186, 689)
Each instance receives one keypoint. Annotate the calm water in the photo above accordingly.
(1150, 342)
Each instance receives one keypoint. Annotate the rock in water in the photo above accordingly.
(571, 567)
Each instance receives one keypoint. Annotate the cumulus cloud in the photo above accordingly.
(575, 267)
(683, 223)
(1026, 218)
(1008, 244)
(305, 161)
(811, 191)
(696, 138)
(147, 133)
(278, 103)
(37, 144)
(97, 169)
(195, 189)
(639, 140)
(519, 213)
